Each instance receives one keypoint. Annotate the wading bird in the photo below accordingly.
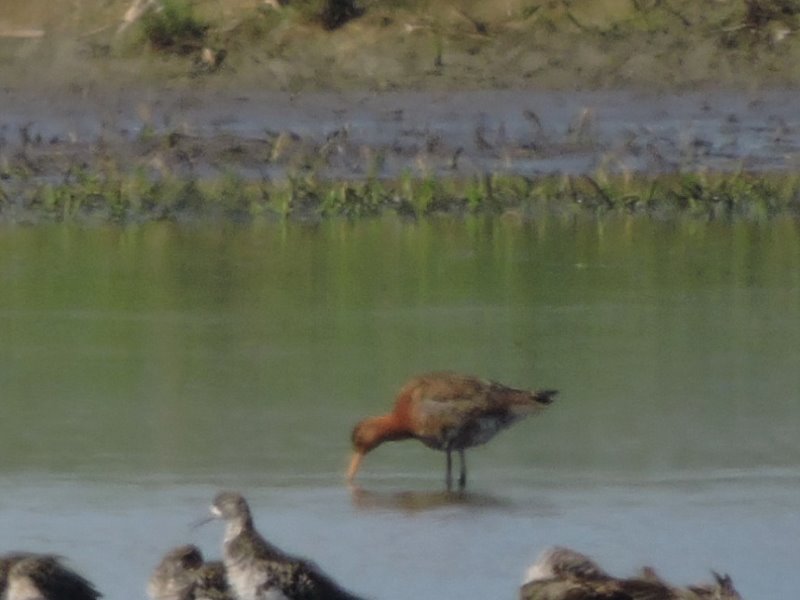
(564, 574)
(257, 570)
(449, 412)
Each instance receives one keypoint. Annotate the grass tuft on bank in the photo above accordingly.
(174, 27)
(134, 197)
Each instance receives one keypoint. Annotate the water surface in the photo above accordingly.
(145, 368)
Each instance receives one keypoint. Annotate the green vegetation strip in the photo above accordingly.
(87, 197)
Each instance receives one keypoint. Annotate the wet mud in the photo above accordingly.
(271, 135)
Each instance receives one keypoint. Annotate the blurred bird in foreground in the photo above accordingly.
(183, 575)
(30, 576)
(257, 570)
(564, 574)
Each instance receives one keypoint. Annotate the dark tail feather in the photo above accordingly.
(545, 396)
(725, 584)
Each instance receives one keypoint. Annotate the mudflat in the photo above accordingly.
(257, 134)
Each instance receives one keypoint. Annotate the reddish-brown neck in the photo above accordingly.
(388, 428)
(393, 426)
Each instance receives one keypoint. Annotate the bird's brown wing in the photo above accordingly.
(572, 589)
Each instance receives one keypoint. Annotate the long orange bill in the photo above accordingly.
(355, 463)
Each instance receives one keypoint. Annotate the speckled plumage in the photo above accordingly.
(183, 575)
(564, 574)
(565, 563)
(30, 576)
(448, 412)
(594, 589)
(721, 589)
(257, 570)
(211, 583)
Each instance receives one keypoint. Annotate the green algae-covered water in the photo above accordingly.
(143, 369)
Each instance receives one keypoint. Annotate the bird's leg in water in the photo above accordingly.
(462, 477)
(449, 475)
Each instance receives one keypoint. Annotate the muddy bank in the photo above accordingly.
(271, 135)
(407, 44)
(133, 155)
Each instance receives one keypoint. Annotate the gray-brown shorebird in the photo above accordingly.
(257, 570)
(564, 574)
(30, 576)
(183, 575)
(449, 412)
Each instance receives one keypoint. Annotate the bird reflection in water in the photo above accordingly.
(413, 501)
